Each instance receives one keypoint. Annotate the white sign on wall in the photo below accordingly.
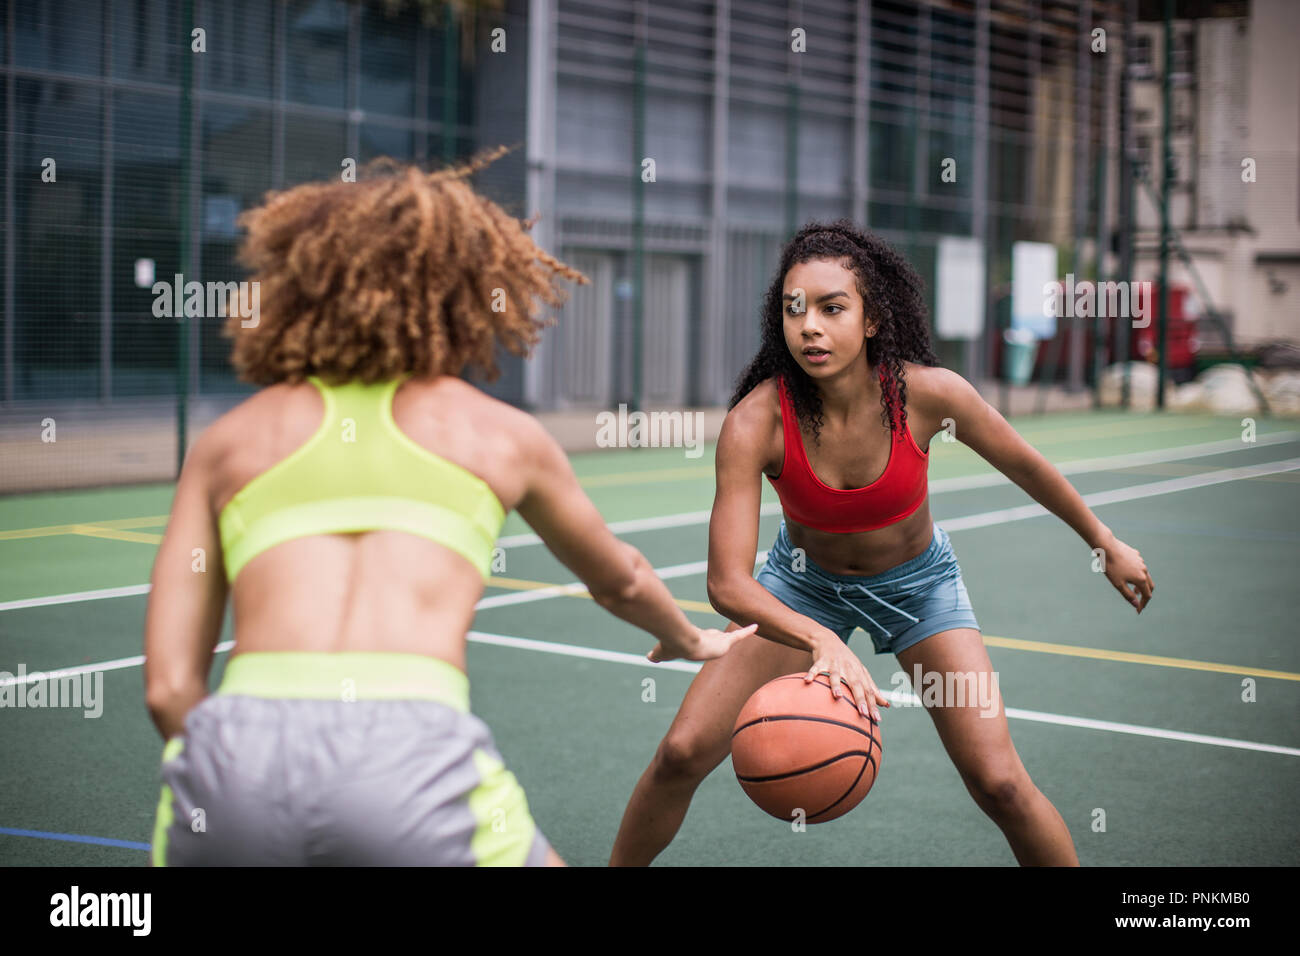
(959, 296)
(1033, 267)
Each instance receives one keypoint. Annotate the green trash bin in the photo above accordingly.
(1021, 346)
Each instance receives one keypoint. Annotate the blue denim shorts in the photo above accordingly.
(899, 607)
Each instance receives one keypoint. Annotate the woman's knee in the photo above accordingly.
(1001, 792)
(687, 755)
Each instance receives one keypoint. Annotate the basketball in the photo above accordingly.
(796, 748)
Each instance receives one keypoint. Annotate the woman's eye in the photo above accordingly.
(829, 307)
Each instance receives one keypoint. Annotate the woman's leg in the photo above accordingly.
(698, 740)
(978, 740)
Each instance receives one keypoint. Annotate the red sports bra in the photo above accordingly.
(806, 499)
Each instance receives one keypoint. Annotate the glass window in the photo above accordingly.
(316, 47)
(147, 205)
(388, 62)
(378, 140)
(236, 145)
(943, 145)
(1142, 50)
(240, 43)
(58, 195)
(891, 147)
(313, 149)
(59, 35)
(450, 89)
(147, 40)
(886, 215)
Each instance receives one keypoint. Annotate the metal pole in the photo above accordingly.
(638, 217)
(720, 313)
(11, 155)
(1127, 224)
(1167, 160)
(918, 186)
(1098, 326)
(106, 233)
(1070, 329)
(980, 178)
(450, 84)
(1103, 220)
(183, 345)
(791, 156)
(861, 112)
(793, 70)
(539, 377)
(1082, 174)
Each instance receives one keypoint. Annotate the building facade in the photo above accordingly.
(1235, 136)
(669, 148)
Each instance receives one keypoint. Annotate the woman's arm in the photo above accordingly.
(618, 576)
(186, 606)
(979, 426)
(733, 547)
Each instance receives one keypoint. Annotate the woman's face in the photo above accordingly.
(825, 325)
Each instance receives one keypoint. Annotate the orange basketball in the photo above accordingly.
(795, 747)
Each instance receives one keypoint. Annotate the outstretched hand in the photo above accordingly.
(1124, 567)
(707, 645)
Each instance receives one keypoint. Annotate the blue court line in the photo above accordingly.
(74, 838)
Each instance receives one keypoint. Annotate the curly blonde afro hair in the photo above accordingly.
(400, 272)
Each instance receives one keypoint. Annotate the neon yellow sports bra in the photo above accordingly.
(360, 472)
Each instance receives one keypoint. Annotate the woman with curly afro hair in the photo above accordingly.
(837, 411)
(349, 510)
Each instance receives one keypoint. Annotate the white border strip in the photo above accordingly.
(961, 483)
(1132, 493)
(619, 657)
(981, 520)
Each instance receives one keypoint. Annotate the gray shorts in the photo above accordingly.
(308, 782)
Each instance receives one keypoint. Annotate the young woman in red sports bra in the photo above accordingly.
(836, 411)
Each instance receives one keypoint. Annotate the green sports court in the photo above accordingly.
(1166, 738)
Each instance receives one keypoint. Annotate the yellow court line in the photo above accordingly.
(148, 522)
(1011, 643)
(519, 584)
(1126, 657)
(94, 531)
(44, 532)
(53, 529)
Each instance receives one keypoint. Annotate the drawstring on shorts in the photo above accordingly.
(839, 593)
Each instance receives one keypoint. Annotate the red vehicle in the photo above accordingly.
(1181, 339)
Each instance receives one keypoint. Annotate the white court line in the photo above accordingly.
(577, 587)
(620, 657)
(981, 520)
(1133, 492)
(960, 483)
(75, 596)
(1116, 462)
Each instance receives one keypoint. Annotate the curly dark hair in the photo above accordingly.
(400, 272)
(892, 294)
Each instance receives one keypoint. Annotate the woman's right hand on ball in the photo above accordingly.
(831, 656)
